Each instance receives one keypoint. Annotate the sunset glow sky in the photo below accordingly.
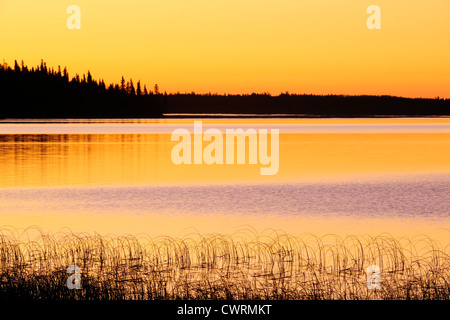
(240, 46)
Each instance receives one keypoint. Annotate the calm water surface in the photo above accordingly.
(336, 176)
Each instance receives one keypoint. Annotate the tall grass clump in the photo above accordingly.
(272, 265)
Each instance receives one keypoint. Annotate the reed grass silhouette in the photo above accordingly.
(244, 265)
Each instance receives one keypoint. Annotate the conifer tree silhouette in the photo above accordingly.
(50, 94)
(122, 85)
(138, 88)
(42, 92)
(131, 89)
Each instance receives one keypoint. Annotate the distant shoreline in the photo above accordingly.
(44, 93)
(293, 116)
(217, 116)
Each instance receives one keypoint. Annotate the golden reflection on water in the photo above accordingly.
(144, 159)
(61, 160)
(156, 225)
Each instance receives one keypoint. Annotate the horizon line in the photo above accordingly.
(51, 70)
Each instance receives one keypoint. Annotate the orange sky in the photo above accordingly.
(240, 46)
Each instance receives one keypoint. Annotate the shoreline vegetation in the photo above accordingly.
(244, 266)
(45, 93)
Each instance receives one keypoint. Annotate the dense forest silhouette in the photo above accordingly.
(42, 92)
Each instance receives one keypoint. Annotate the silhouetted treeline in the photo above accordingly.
(307, 105)
(41, 92)
(47, 93)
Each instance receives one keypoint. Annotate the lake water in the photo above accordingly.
(341, 176)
